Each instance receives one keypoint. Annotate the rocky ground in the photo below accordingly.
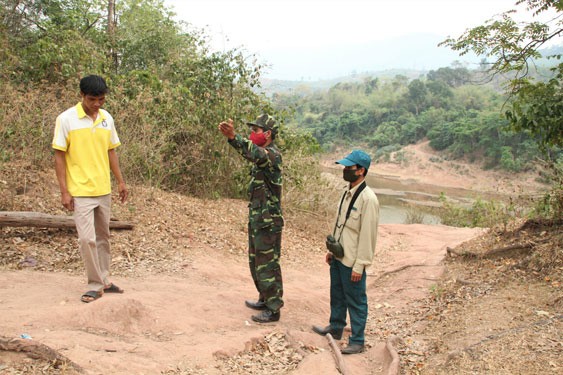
(183, 266)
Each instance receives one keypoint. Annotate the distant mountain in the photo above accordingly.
(418, 52)
(551, 51)
(412, 56)
(271, 86)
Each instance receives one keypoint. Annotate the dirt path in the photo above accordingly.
(195, 321)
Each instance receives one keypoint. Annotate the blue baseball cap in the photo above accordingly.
(356, 157)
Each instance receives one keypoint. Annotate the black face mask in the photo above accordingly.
(350, 175)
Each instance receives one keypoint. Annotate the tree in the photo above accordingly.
(161, 42)
(452, 77)
(51, 41)
(535, 107)
(417, 95)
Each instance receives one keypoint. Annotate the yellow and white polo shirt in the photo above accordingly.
(86, 144)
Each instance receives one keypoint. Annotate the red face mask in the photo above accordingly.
(259, 139)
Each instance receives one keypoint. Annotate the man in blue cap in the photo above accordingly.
(351, 250)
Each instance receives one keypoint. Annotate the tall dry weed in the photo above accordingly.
(27, 120)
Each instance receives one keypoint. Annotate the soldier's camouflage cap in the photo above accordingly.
(266, 122)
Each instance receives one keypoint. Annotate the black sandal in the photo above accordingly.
(113, 289)
(90, 296)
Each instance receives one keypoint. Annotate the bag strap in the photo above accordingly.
(350, 206)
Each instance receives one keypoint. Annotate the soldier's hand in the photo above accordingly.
(227, 128)
(328, 258)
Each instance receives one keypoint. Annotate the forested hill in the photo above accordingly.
(456, 108)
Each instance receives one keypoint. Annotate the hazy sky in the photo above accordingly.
(275, 28)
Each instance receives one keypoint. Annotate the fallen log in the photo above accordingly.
(506, 251)
(37, 350)
(41, 220)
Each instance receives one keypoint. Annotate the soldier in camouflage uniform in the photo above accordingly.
(265, 220)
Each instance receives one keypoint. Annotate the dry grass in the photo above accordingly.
(499, 315)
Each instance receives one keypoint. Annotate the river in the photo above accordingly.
(400, 200)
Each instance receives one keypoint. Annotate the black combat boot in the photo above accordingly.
(258, 305)
(266, 316)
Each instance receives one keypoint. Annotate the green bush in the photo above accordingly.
(550, 205)
(481, 213)
(414, 215)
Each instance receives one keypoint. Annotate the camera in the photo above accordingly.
(334, 246)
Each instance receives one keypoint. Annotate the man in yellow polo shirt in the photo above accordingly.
(85, 141)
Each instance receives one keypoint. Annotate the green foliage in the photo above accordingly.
(550, 205)
(162, 39)
(538, 109)
(175, 125)
(437, 292)
(481, 213)
(51, 41)
(535, 107)
(417, 95)
(304, 189)
(440, 94)
(440, 137)
(508, 160)
(452, 77)
(463, 120)
(414, 215)
(387, 133)
(384, 153)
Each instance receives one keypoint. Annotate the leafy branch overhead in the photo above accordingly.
(513, 47)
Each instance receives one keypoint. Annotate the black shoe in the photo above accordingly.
(266, 316)
(352, 349)
(335, 333)
(258, 305)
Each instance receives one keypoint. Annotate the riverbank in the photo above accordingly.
(420, 165)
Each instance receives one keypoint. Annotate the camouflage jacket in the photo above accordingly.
(265, 186)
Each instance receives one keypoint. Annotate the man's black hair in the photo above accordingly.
(365, 173)
(93, 85)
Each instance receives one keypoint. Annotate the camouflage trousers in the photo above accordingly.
(264, 248)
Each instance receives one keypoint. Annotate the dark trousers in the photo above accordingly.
(264, 250)
(347, 296)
